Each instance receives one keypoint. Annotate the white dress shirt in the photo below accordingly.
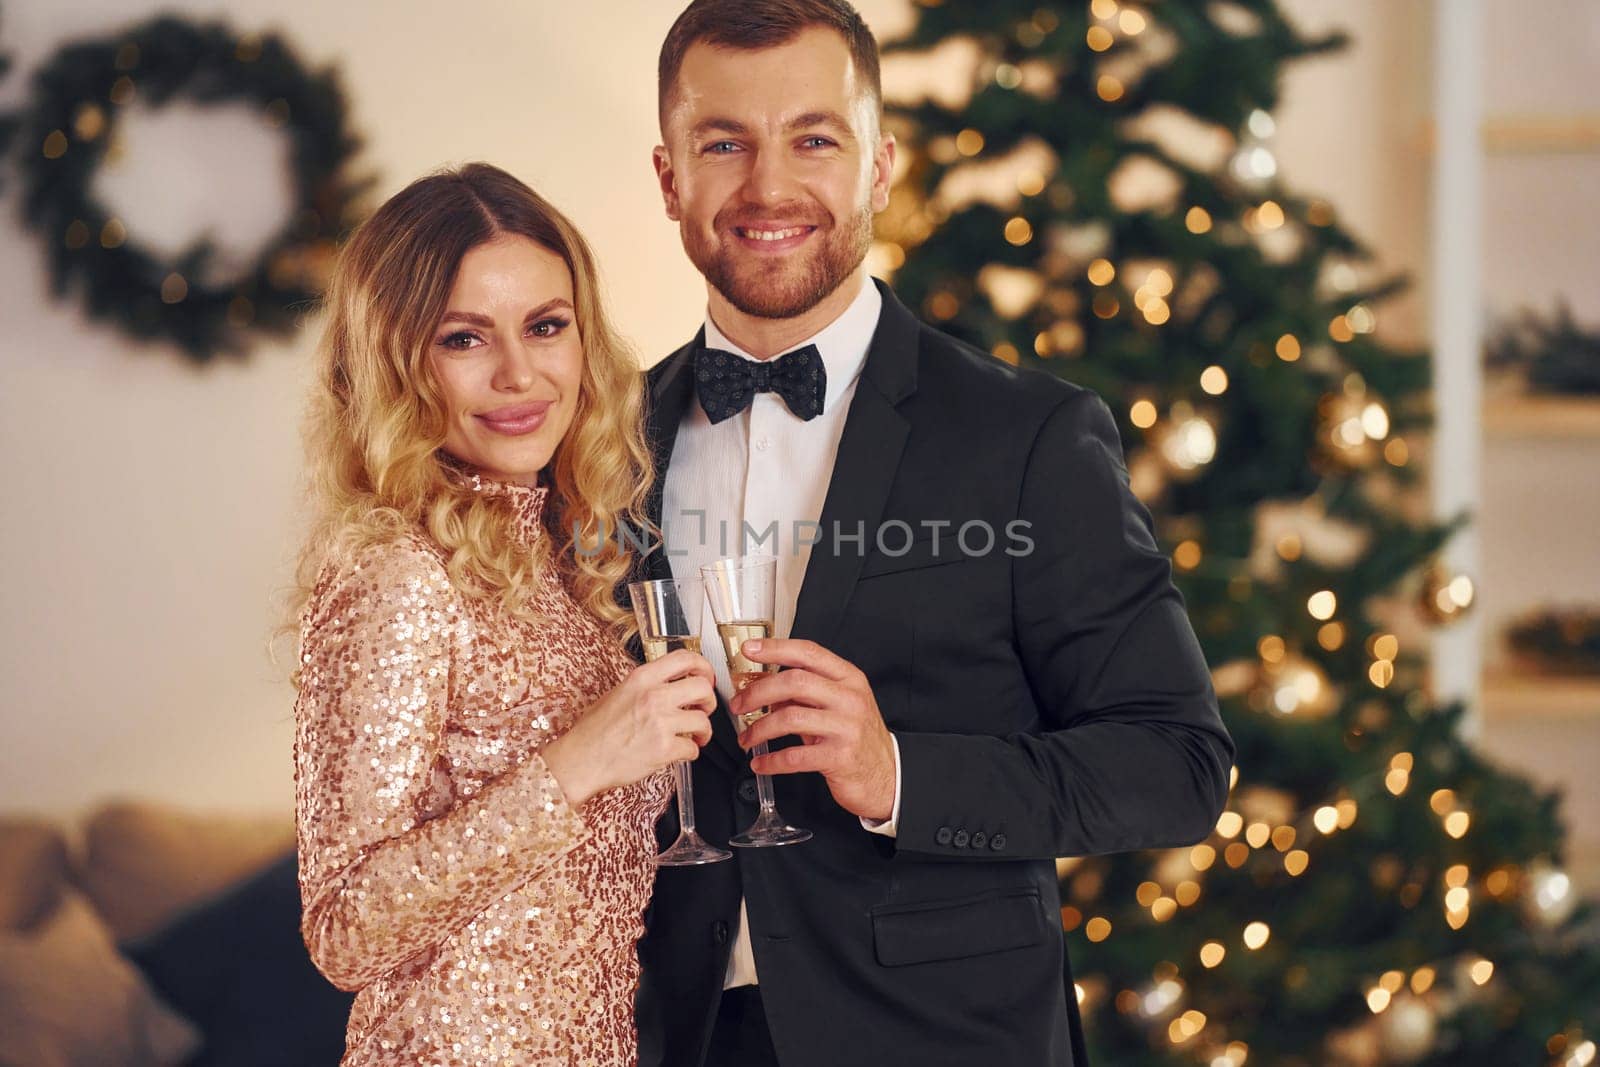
(750, 485)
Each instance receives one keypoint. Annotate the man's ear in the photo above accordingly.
(882, 171)
(667, 178)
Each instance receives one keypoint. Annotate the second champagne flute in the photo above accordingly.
(668, 613)
(743, 595)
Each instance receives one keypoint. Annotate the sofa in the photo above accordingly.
(148, 936)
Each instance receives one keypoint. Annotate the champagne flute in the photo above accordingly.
(668, 613)
(743, 593)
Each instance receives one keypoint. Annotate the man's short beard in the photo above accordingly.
(842, 251)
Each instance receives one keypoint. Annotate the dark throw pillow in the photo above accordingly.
(237, 967)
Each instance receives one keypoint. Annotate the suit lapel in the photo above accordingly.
(671, 393)
(863, 471)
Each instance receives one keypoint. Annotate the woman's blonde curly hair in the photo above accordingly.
(377, 420)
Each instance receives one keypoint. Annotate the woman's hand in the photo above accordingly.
(658, 715)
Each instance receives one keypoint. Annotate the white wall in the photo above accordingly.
(1351, 130)
(150, 506)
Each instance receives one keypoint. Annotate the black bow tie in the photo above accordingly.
(727, 383)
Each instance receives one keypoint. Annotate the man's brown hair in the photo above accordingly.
(753, 24)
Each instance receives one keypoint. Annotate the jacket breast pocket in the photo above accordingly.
(917, 555)
(995, 921)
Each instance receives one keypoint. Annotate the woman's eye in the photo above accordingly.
(547, 327)
(459, 341)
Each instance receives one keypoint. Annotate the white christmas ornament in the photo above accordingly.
(1407, 1030)
(1549, 897)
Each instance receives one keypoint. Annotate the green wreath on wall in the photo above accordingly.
(70, 127)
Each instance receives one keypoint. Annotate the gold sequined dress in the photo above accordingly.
(442, 873)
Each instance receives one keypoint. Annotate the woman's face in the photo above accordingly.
(508, 359)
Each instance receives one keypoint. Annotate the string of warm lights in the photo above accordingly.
(1328, 818)
(1553, 892)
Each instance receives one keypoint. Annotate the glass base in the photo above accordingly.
(769, 830)
(690, 850)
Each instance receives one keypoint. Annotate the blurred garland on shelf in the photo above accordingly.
(1559, 641)
(70, 129)
(1554, 354)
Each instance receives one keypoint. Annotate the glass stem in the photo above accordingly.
(769, 804)
(685, 797)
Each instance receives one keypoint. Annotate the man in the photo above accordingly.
(985, 665)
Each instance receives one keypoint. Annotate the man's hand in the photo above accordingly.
(828, 702)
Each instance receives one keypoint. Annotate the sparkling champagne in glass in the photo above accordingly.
(668, 613)
(743, 595)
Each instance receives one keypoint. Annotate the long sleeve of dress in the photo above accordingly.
(388, 868)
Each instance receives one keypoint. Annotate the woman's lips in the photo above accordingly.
(518, 420)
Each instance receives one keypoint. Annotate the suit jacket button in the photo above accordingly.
(980, 839)
(961, 839)
(747, 791)
(719, 933)
(943, 835)
(997, 843)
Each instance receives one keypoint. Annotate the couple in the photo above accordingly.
(483, 769)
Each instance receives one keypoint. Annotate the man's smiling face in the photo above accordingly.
(773, 168)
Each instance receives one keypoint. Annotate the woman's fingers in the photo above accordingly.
(684, 722)
(693, 692)
(676, 665)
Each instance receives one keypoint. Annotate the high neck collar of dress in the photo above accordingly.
(526, 501)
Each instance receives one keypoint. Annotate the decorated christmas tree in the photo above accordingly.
(1104, 205)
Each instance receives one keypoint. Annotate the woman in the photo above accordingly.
(479, 763)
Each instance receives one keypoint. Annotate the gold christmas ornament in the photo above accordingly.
(1293, 686)
(1253, 165)
(1186, 441)
(1446, 596)
(1571, 1049)
(1352, 425)
(1157, 1000)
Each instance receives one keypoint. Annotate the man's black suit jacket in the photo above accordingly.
(1047, 703)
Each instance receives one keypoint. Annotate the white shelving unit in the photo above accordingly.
(1513, 698)
(1542, 418)
(1534, 461)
